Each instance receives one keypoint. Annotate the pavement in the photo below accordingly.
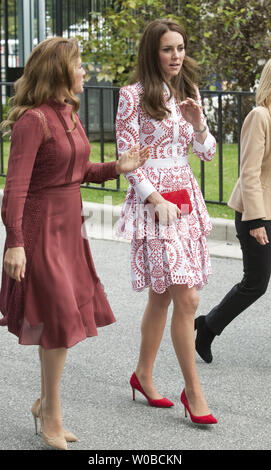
(96, 395)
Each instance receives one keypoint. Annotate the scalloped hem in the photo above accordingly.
(162, 287)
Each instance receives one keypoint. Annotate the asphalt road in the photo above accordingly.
(96, 395)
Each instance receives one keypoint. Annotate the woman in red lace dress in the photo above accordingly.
(51, 295)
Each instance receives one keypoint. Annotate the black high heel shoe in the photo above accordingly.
(204, 339)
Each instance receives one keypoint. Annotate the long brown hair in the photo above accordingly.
(149, 72)
(49, 72)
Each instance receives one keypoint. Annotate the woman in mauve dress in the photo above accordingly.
(162, 108)
(51, 295)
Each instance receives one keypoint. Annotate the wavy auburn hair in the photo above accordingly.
(48, 73)
(149, 71)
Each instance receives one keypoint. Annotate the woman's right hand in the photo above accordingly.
(260, 235)
(166, 211)
(15, 263)
(132, 159)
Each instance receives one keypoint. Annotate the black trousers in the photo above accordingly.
(257, 269)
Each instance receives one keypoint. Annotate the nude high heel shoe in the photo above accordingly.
(35, 410)
(57, 442)
(69, 436)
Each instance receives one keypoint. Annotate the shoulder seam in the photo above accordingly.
(37, 114)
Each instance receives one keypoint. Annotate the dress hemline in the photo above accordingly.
(57, 347)
(198, 285)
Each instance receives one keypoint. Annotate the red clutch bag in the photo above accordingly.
(181, 199)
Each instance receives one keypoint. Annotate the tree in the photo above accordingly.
(234, 44)
(230, 39)
(235, 40)
(114, 36)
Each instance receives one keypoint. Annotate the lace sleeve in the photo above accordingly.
(26, 137)
(100, 172)
(43, 121)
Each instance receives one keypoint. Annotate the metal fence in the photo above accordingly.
(225, 112)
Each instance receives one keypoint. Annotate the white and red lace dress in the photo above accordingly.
(163, 255)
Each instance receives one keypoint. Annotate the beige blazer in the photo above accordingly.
(252, 193)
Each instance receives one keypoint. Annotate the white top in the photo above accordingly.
(169, 138)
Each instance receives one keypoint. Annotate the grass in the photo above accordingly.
(230, 172)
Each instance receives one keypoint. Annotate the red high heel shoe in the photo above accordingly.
(162, 402)
(207, 419)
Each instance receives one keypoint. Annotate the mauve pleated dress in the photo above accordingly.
(61, 300)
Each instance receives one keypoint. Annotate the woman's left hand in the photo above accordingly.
(260, 235)
(132, 159)
(191, 112)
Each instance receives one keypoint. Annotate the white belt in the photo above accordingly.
(165, 162)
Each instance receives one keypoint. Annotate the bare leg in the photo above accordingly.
(185, 301)
(152, 329)
(52, 364)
